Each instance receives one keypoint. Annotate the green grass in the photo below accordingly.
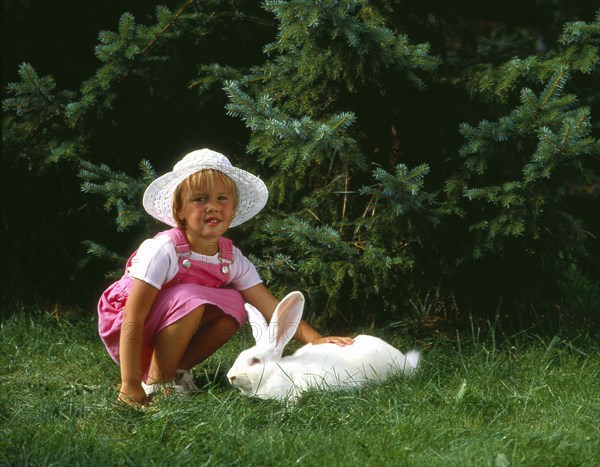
(529, 401)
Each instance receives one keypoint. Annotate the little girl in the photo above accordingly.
(183, 292)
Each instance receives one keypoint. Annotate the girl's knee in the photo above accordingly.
(222, 327)
(229, 324)
(193, 318)
(220, 319)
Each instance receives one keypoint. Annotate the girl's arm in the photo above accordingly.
(259, 297)
(140, 300)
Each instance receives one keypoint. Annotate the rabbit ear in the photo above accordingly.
(285, 320)
(258, 323)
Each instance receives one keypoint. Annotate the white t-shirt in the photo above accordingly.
(156, 263)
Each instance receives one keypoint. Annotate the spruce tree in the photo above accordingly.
(397, 166)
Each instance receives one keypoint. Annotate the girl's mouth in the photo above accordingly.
(213, 221)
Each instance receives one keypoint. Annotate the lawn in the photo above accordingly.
(522, 400)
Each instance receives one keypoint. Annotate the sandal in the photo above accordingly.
(183, 383)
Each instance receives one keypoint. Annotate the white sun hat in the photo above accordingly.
(252, 192)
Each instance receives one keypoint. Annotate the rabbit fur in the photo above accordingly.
(262, 372)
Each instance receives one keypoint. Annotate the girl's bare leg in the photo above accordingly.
(171, 343)
(215, 330)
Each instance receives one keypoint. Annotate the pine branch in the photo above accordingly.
(582, 118)
(581, 32)
(157, 36)
(32, 78)
(557, 84)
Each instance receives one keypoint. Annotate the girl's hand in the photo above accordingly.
(341, 341)
(133, 394)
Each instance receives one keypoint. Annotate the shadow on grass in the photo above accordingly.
(210, 377)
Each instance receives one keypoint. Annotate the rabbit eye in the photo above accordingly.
(254, 360)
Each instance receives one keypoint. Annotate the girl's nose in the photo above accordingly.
(212, 206)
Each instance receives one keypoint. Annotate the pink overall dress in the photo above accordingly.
(196, 283)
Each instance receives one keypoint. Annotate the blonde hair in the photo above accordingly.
(202, 180)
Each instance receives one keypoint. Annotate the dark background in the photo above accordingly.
(45, 216)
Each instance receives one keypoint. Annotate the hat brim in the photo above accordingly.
(252, 192)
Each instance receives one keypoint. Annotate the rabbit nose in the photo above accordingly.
(231, 378)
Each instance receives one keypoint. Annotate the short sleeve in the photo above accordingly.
(155, 261)
(245, 273)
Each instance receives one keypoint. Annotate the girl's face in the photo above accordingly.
(206, 210)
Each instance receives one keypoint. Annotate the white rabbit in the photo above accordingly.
(262, 372)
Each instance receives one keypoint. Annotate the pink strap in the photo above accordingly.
(226, 247)
(178, 237)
